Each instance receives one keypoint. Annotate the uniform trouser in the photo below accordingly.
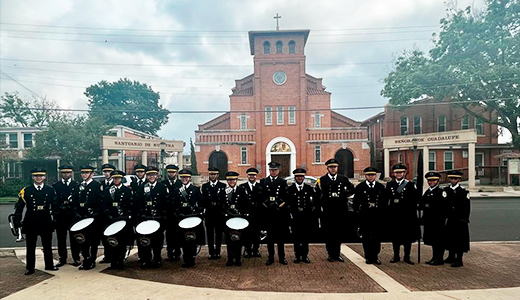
(301, 240)
(372, 248)
(214, 232)
(30, 240)
(438, 251)
(189, 250)
(407, 248)
(173, 241)
(115, 254)
(89, 248)
(252, 243)
(61, 234)
(153, 250)
(333, 248)
(234, 250)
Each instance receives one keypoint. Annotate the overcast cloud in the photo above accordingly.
(211, 37)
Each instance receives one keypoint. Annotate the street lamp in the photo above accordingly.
(415, 143)
(162, 146)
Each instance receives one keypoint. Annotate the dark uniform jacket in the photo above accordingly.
(254, 198)
(105, 184)
(302, 207)
(172, 185)
(370, 204)
(333, 198)
(151, 201)
(458, 219)
(402, 211)
(87, 201)
(134, 185)
(63, 209)
(187, 201)
(276, 218)
(39, 204)
(435, 207)
(211, 199)
(118, 202)
(234, 202)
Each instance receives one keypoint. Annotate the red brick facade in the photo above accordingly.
(247, 136)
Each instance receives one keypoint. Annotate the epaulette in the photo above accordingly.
(21, 194)
(318, 182)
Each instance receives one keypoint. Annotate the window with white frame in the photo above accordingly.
(279, 115)
(464, 122)
(3, 140)
(243, 121)
(268, 115)
(292, 114)
(432, 163)
(479, 126)
(448, 160)
(317, 120)
(317, 154)
(27, 140)
(13, 140)
(417, 125)
(441, 124)
(243, 155)
(404, 125)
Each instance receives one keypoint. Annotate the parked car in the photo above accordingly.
(126, 180)
(308, 179)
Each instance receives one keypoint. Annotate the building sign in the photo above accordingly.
(431, 139)
(513, 165)
(121, 143)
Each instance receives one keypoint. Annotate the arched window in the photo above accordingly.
(267, 47)
(292, 47)
(279, 45)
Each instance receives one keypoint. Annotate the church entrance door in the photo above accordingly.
(346, 162)
(285, 161)
(219, 160)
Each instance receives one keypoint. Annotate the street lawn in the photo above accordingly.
(8, 199)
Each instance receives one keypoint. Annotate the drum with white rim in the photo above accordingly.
(236, 226)
(81, 230)
(145, 230)
(115, 233)
(189, 225)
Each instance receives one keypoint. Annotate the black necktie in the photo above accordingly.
(39, 188)
(371, 185)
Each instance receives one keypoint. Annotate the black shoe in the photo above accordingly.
(105, 260)
(269, 262)
(429, 261)
(296, 260)
(217, 256)
(368, 262)
(377, 262)
(306, 260)
(61, 263)
(457, 264)
(408, 261)
(248, 254)
(29, 272)
(257, 254)
(330, 259)
(395, 259)
(144, 264)
(449, 260)
(76, 263)
(339, 258)
(229, 262)
(238, 262)
(188, 264)
(86, 266)
(283, 261)
(156, 263)
(53, 268)
(437, 262)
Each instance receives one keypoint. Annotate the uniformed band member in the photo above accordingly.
(435, 209)
(88, 203)
(301, 201)
(234, 204)
(253, 193)
(39, 199)
(140, 172)
(173, 246)
(402, 210)
(276, 212)
(152, 202)
(64, 215)
(186, 203)
(333, 191)
(213, 221)
(458, 219)
(370, 204)
(107, 170)
(118, 206)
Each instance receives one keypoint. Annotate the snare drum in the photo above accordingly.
(189, 224)
(81, 229)
(236, 226)
(115, 233)
(145, 230)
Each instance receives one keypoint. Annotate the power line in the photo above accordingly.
(263, 111)
(23, 86)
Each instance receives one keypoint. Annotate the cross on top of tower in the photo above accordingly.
(277, 17)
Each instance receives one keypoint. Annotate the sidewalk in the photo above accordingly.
(490, 272)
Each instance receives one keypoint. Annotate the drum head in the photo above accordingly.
(82, 224)
(237, 223)
(190, 222)
(114, 228)
(148, 227)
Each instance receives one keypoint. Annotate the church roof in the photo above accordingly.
(253, 34)
(244, 92)
(311, 91)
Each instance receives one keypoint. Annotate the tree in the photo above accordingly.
(474, 62)
(127, 103)
(35, 112)
(74, 140)
(193, 159)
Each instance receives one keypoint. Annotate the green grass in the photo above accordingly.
(8, 199)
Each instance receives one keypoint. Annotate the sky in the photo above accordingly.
(192, 51)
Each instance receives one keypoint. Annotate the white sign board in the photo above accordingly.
(121, 143)
(513, 165)
(431, 139)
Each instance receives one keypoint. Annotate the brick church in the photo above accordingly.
(280, 113)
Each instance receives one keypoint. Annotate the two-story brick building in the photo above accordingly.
(280, 113)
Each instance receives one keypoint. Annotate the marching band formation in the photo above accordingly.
(267, 211)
